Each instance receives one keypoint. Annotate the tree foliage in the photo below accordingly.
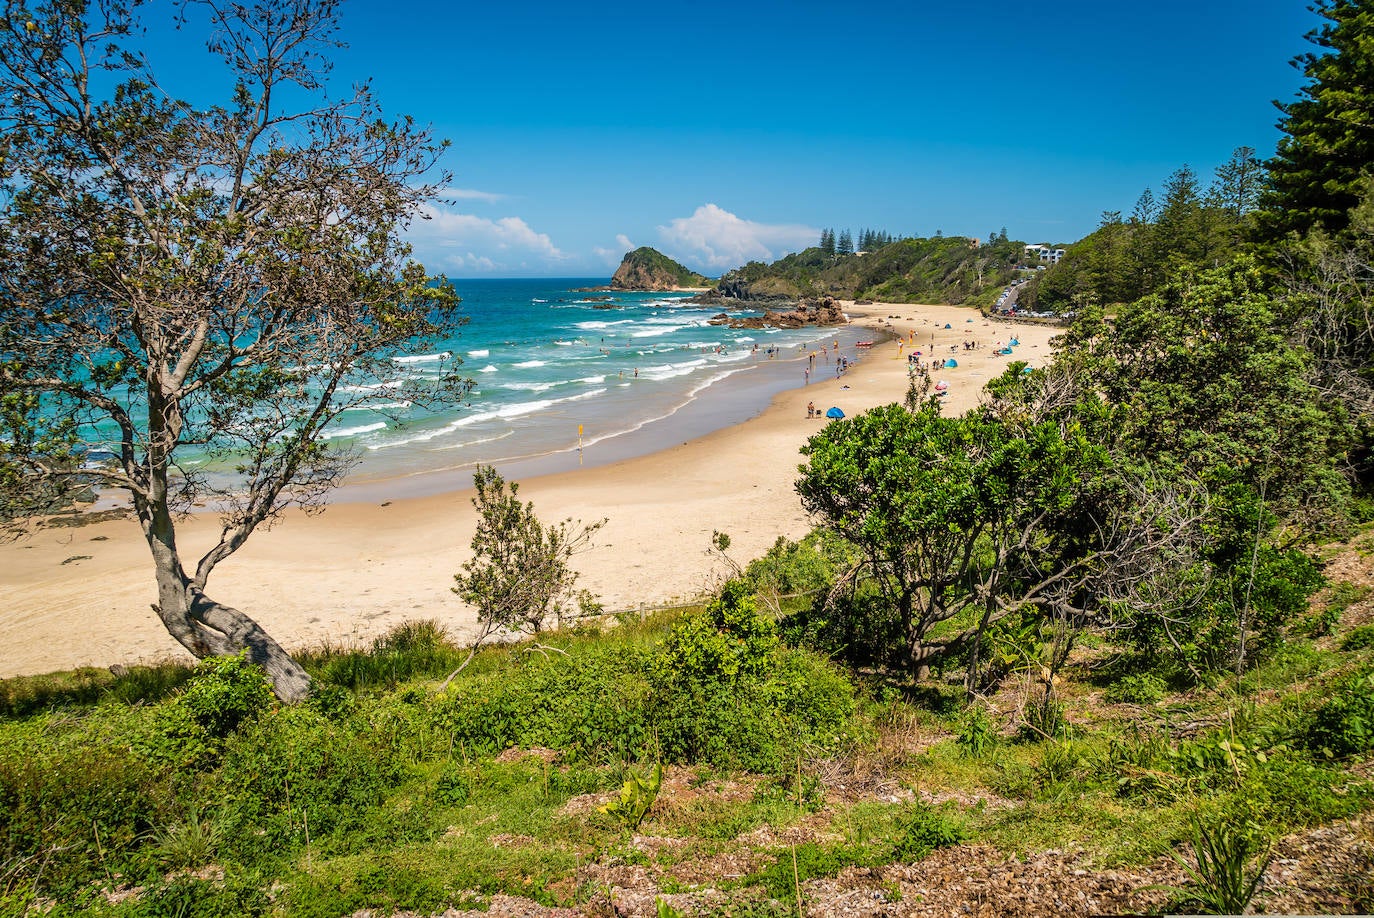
(950, 515)
(224, 279)
(1314, 176)
(519, 575)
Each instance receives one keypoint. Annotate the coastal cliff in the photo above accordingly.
(650, 269)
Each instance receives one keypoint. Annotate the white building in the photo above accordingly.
(1045, 253)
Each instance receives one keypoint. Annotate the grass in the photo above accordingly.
(367, 798)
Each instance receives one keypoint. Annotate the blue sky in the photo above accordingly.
(724, 132)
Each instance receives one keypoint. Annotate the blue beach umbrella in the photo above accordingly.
(951, 362)
(834, 413)
(1026, 370)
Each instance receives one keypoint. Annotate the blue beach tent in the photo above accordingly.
(947, 325)
(1013, 342)
(951, 362)
(834, 413)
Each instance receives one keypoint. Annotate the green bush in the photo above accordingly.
(791, 568)
(1344, 724)
(718, 691)
(729, 642)
(975, 731)
(860, 628)
(589, 705)
(1358, 638)
(223, 694)
(295, 775)
(73, 805)
(1137, 688)
(922, 830)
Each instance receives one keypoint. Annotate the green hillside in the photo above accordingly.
(941, 269)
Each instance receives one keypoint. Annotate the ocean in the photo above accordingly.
(561, 378)
(565, 378)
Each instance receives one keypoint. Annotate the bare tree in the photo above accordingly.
(224, 280)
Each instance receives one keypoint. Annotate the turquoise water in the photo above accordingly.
(560, 378)
(546, 360)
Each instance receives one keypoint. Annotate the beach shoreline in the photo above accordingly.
(385, 554)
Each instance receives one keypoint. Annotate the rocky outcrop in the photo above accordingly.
(824, 311)
(649, 269)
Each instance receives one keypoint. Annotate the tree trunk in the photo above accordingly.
(920, 655)
(207, 628)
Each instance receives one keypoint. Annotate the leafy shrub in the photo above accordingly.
(922, 830)
(589, 705)
(718, 691)
(975, 731)
(729, 642)
(860, 628)
(722, 692)
(1358, 638)
(296, 775)
(223, 693)
(73, 805)
(1137, 688)
(1344, 724)
(790, 568)
(453, 787)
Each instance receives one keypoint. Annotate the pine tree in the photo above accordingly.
(1236, 189)
(1146, 208)
(846, 244)
(1313, 177)
(828, 241)
(1177, 230)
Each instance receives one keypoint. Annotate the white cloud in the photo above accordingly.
(613, 256)
(718, 240)
(471, 194)
(456, 242)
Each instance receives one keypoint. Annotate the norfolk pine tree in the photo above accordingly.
(1315, 174)
(228, 279)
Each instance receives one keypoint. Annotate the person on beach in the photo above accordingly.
(807, 375)
(810, 409)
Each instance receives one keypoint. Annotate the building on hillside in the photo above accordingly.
(1045, 253)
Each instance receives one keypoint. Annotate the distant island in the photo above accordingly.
(649, 269)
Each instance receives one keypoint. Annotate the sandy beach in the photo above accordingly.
(81, 596)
